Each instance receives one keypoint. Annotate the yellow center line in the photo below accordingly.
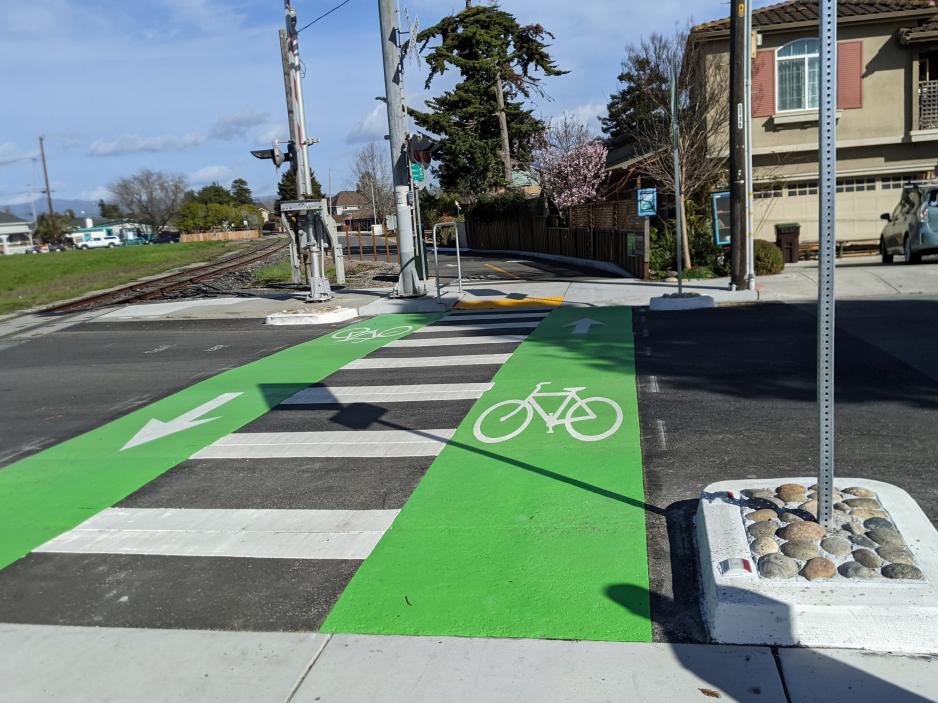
(501, 270)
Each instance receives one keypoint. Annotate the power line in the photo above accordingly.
(326, 14)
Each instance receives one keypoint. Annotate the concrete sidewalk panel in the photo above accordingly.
(77, 664)
(463, 670)
(852, 676)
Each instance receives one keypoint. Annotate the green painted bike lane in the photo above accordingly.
(539, 536)
(53, 491)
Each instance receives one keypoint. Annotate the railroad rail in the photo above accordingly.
(164, 286)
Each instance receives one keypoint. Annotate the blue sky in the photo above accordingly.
(191, 85)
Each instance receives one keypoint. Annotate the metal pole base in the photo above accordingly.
(320, 291)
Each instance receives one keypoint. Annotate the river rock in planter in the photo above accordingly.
(863, 541)
(866, 513)
(860, 492)
(761, 515)
(902, 571)
(875, 522)
(896, 555)
(813, 495)
(791, 492)
(778, 566)
(887, 538)
(842, 507)
(757, 493)
(762, 529)
(809, 507)
(818, 568)
(760, 503)
(802, 530)
(788, 516)
(868, 503)
(764, 545)
(837, 546)
(867, 558)
(854, 528)
(852, 570)
(800, 549)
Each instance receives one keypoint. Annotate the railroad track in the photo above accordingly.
(164, 286)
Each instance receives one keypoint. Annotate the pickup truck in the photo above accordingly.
(99, 241)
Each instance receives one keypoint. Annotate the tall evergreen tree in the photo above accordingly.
(490, 49)
(241, 192)
(286, 189)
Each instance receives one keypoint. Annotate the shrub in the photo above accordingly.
(506, 205)
(768, 258)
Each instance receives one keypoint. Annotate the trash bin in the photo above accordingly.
(787, 238)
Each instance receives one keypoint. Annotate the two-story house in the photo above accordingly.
(887, 117)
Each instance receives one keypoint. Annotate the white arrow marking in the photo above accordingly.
(582, 326)
(155, 429)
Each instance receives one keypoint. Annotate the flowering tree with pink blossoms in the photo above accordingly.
(570, 165)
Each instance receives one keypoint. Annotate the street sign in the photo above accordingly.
(647, 202)
(300, 205)
(720, 217)
(417, 172)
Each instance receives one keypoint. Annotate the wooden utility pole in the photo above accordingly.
(45, 175)
(739, 54)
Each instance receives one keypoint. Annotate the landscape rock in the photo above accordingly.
(866, 513)
(863, 541)
(896, 555)
(854, 528)
(764, 545)
(757, 493)
(777, 566)
(800, 549)
(802, 530)
(885, 537)
(875, 522)
(842, 507)
(853, 570)
(761, 515)
(760, 503)
(791, 492)
(810, 507)
(818, 568)
(837, 546)
(788, 516)
(860, 492)
(867, 558)
(835, 495)
(762, 529)
(868, 503)
(902, 571)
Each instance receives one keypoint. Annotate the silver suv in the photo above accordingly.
(912, 228)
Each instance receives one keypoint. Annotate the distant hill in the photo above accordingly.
(25, 211)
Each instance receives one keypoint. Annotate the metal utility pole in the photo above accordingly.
(45, 175)
(295, 274)
(408, 285)
(827, 151)
(313, 235)
(739, 51)
(678, 186)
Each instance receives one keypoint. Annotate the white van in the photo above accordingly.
(99, 240)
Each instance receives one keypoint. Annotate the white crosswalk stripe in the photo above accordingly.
(359, 443)
(427, 361)
(429, 329)
(457, 341)
(386, 394)
(251, 533)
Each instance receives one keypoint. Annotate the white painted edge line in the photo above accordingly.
(358, 443)
(278, 534)
(478, 328)
(458, 341)
(426, 361)
(311, 318)
(363, 394)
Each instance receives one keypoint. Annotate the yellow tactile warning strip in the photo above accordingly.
(492, 303)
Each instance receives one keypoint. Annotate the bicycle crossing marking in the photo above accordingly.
(358, 335)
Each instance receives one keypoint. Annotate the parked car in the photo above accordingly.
(97, 240)
(165, 238)
(912, 228)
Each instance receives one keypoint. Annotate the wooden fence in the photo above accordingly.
(236, 235)
(605, 232)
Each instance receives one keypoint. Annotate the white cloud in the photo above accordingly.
(135, 144)
(209, 174)
(238, 125)
(589, 114)
(372, 127)
(10, 153)
(99, 193)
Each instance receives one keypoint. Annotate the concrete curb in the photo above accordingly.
(587, 263)
(309, 317)
(697, 302)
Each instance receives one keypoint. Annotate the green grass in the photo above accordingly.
(279, 272)
(31, 281)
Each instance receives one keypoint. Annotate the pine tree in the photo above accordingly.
(286, 189)
(241, 192)
(489, 48)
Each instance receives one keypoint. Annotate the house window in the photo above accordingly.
(855, 185)
(798, 69)
(807, 188)
(766, 192)
(896, 182)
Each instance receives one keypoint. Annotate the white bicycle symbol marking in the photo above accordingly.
(356, 335)
(573, 409)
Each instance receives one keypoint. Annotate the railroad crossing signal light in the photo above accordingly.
(275, 155)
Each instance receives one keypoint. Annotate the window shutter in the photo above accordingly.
(850, 75)
(763, 84)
